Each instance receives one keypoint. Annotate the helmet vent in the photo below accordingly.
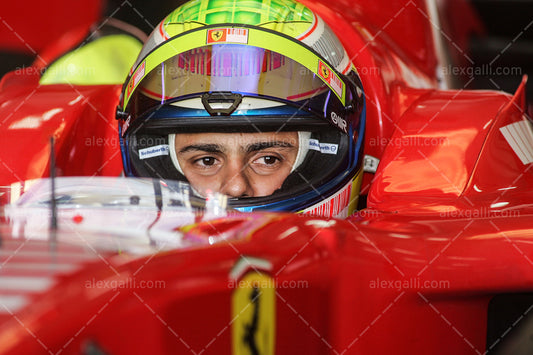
(221, 103)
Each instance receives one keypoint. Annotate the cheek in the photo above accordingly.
(203, 183)
(266, 185)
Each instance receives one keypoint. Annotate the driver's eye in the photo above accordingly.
(208, 161)
(270, 160)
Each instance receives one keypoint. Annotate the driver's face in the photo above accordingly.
(237, 164)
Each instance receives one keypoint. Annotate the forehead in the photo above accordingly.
(236, 139)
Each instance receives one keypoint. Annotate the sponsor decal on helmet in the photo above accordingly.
(339, 121)
(139, 74)
(126, 124)
(331, 78)
(341, 204)
(156, 151)
(324, 148)
(227, 35)
(332, 206)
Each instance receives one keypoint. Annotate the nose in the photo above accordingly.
(236, 182)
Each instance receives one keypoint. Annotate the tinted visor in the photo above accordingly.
(231, 67)
(243, 69)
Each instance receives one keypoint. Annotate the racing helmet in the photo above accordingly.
(255, 66)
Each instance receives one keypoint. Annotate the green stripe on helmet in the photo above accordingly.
(285, 16)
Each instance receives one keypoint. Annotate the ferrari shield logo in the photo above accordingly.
(227, 35)
(329, 77)
(325, 72)
(136, 78)
(130, 88)
(217, 35)
(253, 315)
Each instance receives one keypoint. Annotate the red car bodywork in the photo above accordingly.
(448, 223)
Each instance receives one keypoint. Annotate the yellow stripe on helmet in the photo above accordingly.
(255, 37)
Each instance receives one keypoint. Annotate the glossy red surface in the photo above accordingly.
(81, 120)
(362, 282)
(448, 225)
(30, 26)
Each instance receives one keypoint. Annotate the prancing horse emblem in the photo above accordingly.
(253, 324)
(217, 35)
(325, 72)
(250, 329)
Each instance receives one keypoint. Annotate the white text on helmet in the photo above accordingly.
(339, 121)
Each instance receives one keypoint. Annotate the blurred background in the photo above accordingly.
(508, 44)
(509, 25)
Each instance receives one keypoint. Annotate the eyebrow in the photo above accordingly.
(254, 147)
(210, 148)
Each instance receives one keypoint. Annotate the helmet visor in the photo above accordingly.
(247, 70)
